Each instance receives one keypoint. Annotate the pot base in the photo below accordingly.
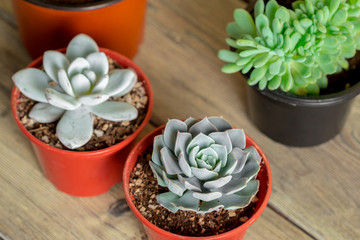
(299, 121)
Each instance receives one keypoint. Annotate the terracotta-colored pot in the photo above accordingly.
(86, 173)
(113, 24)
(156, 233)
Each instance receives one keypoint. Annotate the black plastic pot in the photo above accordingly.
(299, 120)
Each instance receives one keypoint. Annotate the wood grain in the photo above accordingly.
(315, 189)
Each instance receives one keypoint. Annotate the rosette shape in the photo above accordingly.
(74, 87)
(205, 166)
(293, 49)
(269, 48)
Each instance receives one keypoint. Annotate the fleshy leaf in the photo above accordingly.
(190, 121)
(192, 156)
(222, 138)
(208, 152)
(253, 153)
(221, 152)
(165, 200)
(184, 165)
(182, 140)
(157, 171)
(230, 165)
(93, 99)
(169, 161)
(157, 146)
(228, 56)
(210, 206)
(207, 197)
(204, 126)
(186, 202)
(250, 169)
(79, 65)
(81, 46)
(245, 22)
(80, 84)
(101, 84)
(75, 128)
(52, 62)
(98, 63)
(241, 157)
(46, 113)
(251, 188)
(204, 174)
(114, 111)
(173, 126)
(191, 183)
(32, 83)
(218, 183)
(200, 140)
(233, 201)
(174, 185)
(220, 123)
(64, 82)
(61, 100)
(235, 185)
(120, 82)
(237, 137)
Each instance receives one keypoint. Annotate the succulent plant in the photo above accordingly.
(75, 87)
(293, 50)
(205, 166)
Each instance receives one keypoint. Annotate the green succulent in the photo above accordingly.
(205, 166)
(293, 50)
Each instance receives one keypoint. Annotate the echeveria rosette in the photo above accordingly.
(74, 87)
(268, 47)
(205, 166)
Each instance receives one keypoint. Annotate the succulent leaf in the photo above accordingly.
(75, 128)
(53, 61)
(61, 100)
(114, 111)
(98, 63)
(46, 113)
(32, 83)
(200, 161)
(80, 46)
(165, 199)
(120, 82)
(186, 202)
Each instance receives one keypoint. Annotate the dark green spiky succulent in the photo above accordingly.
(293, 50)
(205, 166)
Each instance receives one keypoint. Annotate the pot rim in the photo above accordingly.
(37, 62)
(78, 7)
(126, 176)
(310, 101)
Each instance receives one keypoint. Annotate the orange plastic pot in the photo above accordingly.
(113, 24)
(87, 173)
(155, 233)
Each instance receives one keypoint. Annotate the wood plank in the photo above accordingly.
(315, 187)
(6, 12)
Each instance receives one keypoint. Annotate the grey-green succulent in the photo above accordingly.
(293, 49)
(75, 87)
(205, 166)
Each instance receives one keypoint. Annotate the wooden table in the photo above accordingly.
(316, 190)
